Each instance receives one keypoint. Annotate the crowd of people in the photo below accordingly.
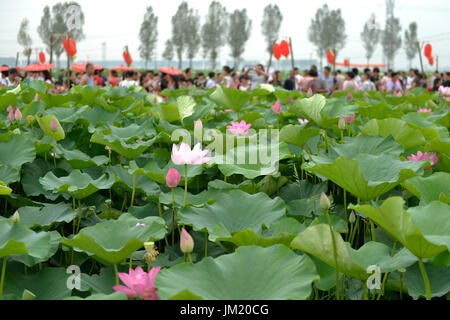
(309, 80)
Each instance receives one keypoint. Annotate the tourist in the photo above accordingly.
(200, 80)
(327, 83)
(340, 78)
(211, 83)
(366, 84)
(11, 78)
(225, 77)
(356, 78)
(349, 82)
(289, 83)
(88, 78)
(245, 83)
(276, 79)
(129, 81)
(257, 76)
(312, 81)
(393, 84)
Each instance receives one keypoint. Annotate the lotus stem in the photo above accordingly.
(206, 243)
(117, 274)
(334, 254)
(79, 215)
(161, 216)
(173, 216)
(372, 228)
(345, 206)
(425, 279)
(189, 257)
(134, 190)
(364, 297)
(2, 282)
(185, 184)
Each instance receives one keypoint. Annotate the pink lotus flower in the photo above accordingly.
(349, 96)
(365, 94)
(139, 283)
(447, 99)
(423, 157)
(239, 129)
(444, 90)
(399, 94)
(185, 155)
(140, 224)
(303, 121)
(54, 125)
(228, 110)
(198, 125)
(277, 107)
(350, 119)
(10, 114)
(186, 242)
(173, 178)
(18, 114)
(425, 110)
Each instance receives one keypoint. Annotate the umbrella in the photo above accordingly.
(81, 67)
(39, 67)
(172, 71)
(4, 68)
(122, 68)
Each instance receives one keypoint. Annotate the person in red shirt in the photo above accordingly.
(114, 79)
(98, 81)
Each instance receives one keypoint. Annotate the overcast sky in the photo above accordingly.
(117, 23)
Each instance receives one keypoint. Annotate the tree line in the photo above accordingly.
(327, 31)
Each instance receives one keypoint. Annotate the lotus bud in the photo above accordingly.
(54, 125)
(18, 115)
(309, 94)
(173, 178)
(10, 109)
(352, 217)
(277, 107)
(15, 217)
(341, 123)
(198, 125)
(186, 242)
(11, 116)
(325, 203)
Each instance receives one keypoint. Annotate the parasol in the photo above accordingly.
(2, 68)
(39, 67)
(81, 67)
(123, 68)
(172, 71)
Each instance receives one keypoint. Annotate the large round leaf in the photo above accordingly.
(425, 231)
(234, 99)
(45, 124)
(113, 241)
(4, 189)
(84, 184)
(17, 238)
(80, 160)
(317, 240)
(251, 273)
(46, 216)
(233, 211)
(16, 150)
(427, 189)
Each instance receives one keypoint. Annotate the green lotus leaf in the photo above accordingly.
(125, 179)
(316, 240)
(259, 160)
(365, 176)
(297, 136)
(282, 231)
(196, 200)
(81, 185)
(430, 188)
(4, 189)
(439, 278)
(46, 216)
(229, 98)
(47, 284)
(113, 241)
(9, 174)
(68, 114)
(17, 238)
(51, 247)
(303, 198)
(423, 230)
(80, 160)
(16, 150)
(168, 112)
(285, 275)
(45, 124)
(310, 106)
(101, 283)
(233, 211)
(365, 145)
(186, 106)
(435, 141)
(125, 141)
(402, 132)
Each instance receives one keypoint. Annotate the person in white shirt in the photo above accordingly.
(257, 76)
(366, 84)
(129, 80)
(245, 83)
(11, 79)
(211, 83)
(357, 78)
(225, 77)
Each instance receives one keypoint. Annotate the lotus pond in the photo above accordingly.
(353, 204)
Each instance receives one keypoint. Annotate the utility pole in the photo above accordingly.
(17, 59)
(419, 47)
(437, 63)
(103, 53)
(54, 37)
